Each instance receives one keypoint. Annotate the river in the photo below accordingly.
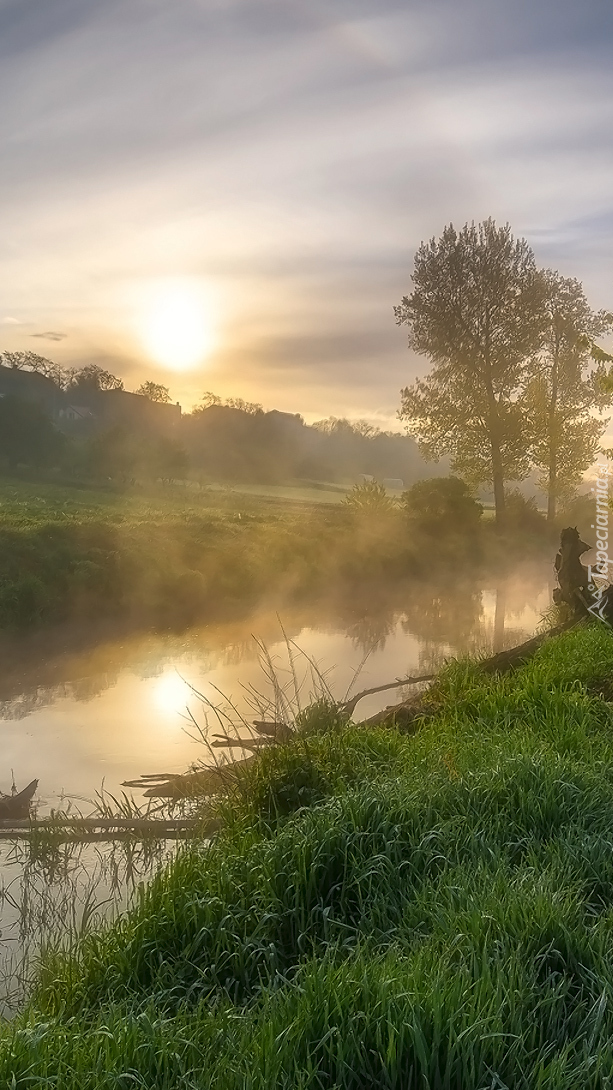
(83, 708)
(80, 708)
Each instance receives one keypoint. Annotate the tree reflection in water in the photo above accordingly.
(452, 615)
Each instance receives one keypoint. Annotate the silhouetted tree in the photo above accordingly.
(31, 361)
(208, 398)
(155, 392)
(476, 311)
(92, 378)
(233, 443)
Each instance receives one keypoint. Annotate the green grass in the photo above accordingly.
(170, 555)
(381, 911)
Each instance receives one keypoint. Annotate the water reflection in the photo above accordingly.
(52, 894)
(82, 705)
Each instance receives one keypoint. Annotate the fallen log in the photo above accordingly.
(205, 781)
(82, 829)
(516, 656)
(349, 706)
(409, 714)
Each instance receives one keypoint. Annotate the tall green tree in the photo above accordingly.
(476, 311)
(563, 390)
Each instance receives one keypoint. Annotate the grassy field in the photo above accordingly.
(170, 556)
(304, 492)
(381, 911)
(167, 555)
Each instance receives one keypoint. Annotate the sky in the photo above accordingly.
(227, 195)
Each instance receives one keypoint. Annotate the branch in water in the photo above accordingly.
(349, 706)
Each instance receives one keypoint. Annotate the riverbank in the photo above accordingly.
(380, 910)
(169, 557)
(160, 556)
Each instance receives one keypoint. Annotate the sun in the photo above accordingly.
(176, 324)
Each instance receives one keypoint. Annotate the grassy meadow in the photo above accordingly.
(171, 555)
(380, 910)
(162, 556)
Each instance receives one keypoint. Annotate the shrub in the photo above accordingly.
(442, 505)
(522, 513)
(369, 498)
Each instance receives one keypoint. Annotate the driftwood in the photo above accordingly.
(205, 781)
(408, 715)
(106, 828)
(350, 705)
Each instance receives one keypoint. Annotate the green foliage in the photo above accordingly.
(443, 506)
(561, 390)
(511, 346)
(476, 312)
(430, 911)
(369, 499)
(169, 555)
(522, 513)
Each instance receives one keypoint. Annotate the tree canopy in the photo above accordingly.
(510, 387)
(92, 378)
(476, 312)
(562, 389)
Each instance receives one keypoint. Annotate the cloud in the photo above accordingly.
(50, 336)
(10, 321)
(294, 155)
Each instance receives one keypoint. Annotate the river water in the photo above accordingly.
(82, 708)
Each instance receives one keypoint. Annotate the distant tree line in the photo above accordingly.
(229, 440)
(237, 440)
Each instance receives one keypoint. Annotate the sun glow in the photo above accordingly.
(176, 324)
(171, 693)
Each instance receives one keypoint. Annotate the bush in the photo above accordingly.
(442, 505)
(370, 499)
(522, 513)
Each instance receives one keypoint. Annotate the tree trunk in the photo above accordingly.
(499, 617)
(497, 469)
(498, 481)
(494, 430)
(552, 492)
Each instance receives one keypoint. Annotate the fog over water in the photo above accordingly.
(81, 707)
